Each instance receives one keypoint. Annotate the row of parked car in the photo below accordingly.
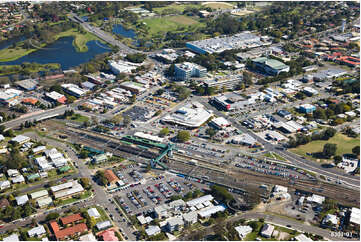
(164, 190)
(151, 195)
(176, 186)
(124, 205)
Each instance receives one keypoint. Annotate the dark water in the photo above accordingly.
(63, 52)
(119, 29)
(6, 43)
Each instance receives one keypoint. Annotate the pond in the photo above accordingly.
(127, 33)
(63, 52)
(6, 43)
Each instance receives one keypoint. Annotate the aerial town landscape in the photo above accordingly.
(181, 121)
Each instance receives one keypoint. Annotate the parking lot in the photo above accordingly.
(138, 113)
(148, 191)
(270, 168)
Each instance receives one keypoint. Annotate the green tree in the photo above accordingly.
(164, 132)
(356, 150)
(221, 193)
(85, 182)
(211, 132)
(9, 133)
(52, 216)
(337, 159)
(183, 136)
(329, 150)
(2, 128)
(101, 178)
(71, 99)
(247, 79)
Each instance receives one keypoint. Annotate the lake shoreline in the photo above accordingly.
(80, 45)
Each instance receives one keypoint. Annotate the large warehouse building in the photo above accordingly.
(192, 115)
(217, 45)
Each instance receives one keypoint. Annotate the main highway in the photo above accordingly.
(102, 35)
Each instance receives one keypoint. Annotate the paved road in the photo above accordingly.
(102, 35)
(295, 159)
(101, 197)
(282, 221)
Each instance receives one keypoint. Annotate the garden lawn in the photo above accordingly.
(344, 145)
(172, 23)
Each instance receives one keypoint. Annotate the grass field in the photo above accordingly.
(274, 156)
(344, 145)
(172, 23)
(13, 69)
(218, 5)
(79, 42)
(78, 118)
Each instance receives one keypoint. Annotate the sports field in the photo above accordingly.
(170, 23)
(344, 145)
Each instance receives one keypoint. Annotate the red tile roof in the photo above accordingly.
(71, 218)
(54, 226)
(62, 100)
(79, 228)
(108, 235)
(111, 177)
(32, 101)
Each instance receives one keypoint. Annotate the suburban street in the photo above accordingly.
(281, 221)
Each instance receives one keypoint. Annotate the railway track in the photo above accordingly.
(243, 177)
(344, 195)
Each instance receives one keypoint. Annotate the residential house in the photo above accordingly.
(243, 231)
(71, 231)
(13, 172)
(108, 235)
(103, 225)
(71, 219)
(21, 200)
(37, 231)
(20, 139)
(93, 212)
(267, 230)
(4, 185)
(88, 237)
(44, 201)
(12, 237)
(152, 230)
(18, 179)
